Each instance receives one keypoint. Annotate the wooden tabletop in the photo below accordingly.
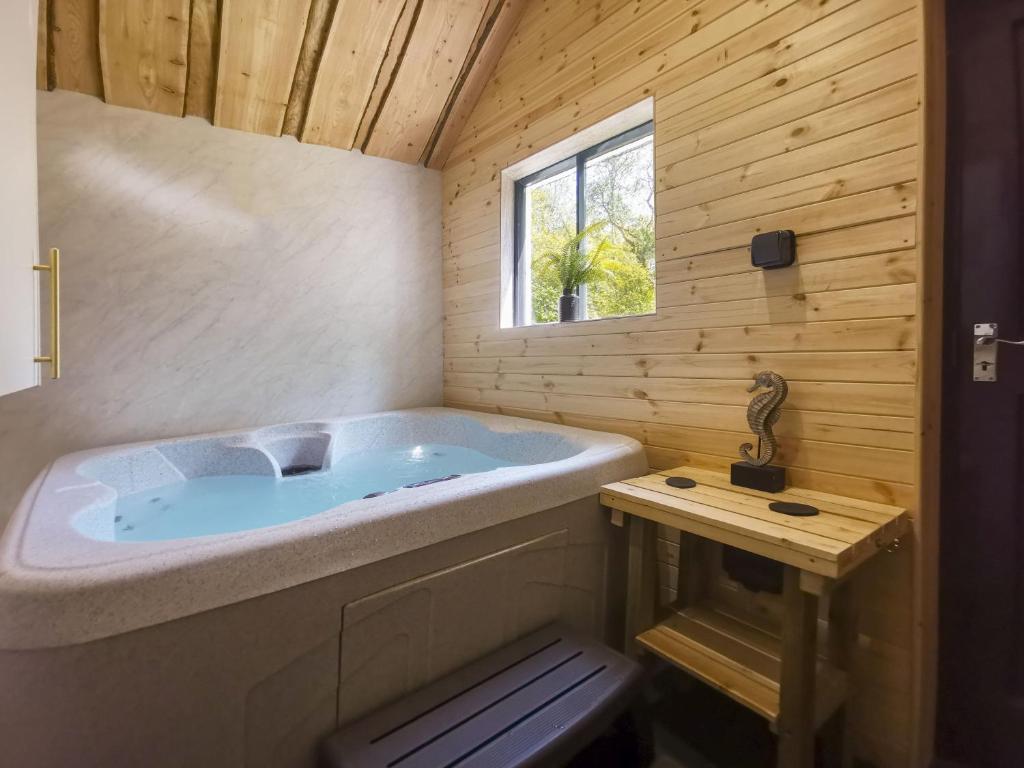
(845, 533)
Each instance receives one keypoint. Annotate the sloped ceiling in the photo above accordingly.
(394, 78)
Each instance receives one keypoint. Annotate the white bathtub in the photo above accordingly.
(63, 580)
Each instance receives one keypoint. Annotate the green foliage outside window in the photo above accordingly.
(619, 192)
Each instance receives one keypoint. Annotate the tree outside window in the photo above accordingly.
(609, 190)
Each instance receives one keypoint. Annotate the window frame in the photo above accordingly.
(579, 162)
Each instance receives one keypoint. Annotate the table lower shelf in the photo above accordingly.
(738, 658)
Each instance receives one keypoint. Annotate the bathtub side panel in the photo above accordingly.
(256, 684)
(400, 639)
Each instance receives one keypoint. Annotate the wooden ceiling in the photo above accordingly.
(394, 78)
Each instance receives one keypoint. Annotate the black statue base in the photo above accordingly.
(767, 478)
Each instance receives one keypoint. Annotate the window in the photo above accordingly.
(606, 194)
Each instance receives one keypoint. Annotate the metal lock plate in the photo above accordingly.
(985, 346)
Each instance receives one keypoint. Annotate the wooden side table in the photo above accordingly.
(776, 672)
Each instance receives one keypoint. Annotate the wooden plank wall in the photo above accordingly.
(769, 114)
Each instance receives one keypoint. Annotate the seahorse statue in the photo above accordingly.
(763, 412)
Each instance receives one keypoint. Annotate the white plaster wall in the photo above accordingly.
(215, 279)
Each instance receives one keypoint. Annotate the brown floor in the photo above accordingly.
(697, 727)
(671, 753)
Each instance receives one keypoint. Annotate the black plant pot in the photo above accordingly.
(568, 308)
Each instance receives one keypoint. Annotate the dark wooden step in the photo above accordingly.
(535, 702)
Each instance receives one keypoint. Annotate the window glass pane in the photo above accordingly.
(550, 210)
(619, 200)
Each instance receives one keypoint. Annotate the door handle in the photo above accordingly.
(54, 269)
(986, 343)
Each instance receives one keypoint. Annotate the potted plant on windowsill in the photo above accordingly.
(575, 266)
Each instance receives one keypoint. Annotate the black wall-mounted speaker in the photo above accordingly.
(773, 250)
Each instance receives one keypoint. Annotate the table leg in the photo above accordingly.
(796, 685)
(842, 640)
(641, 582)
(690, 582)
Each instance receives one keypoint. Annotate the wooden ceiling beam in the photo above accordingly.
(388, 69)
(203, 41)
(43, 50)
(394, 78)
(494, 35)
(260, 42)
(321, 12)
(74, 27)
(443, 35)
(144, 54)
(356, 47)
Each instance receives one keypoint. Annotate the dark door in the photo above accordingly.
(981, 650)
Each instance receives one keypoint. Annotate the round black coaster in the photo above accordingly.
(790, 508)
(681, 482)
